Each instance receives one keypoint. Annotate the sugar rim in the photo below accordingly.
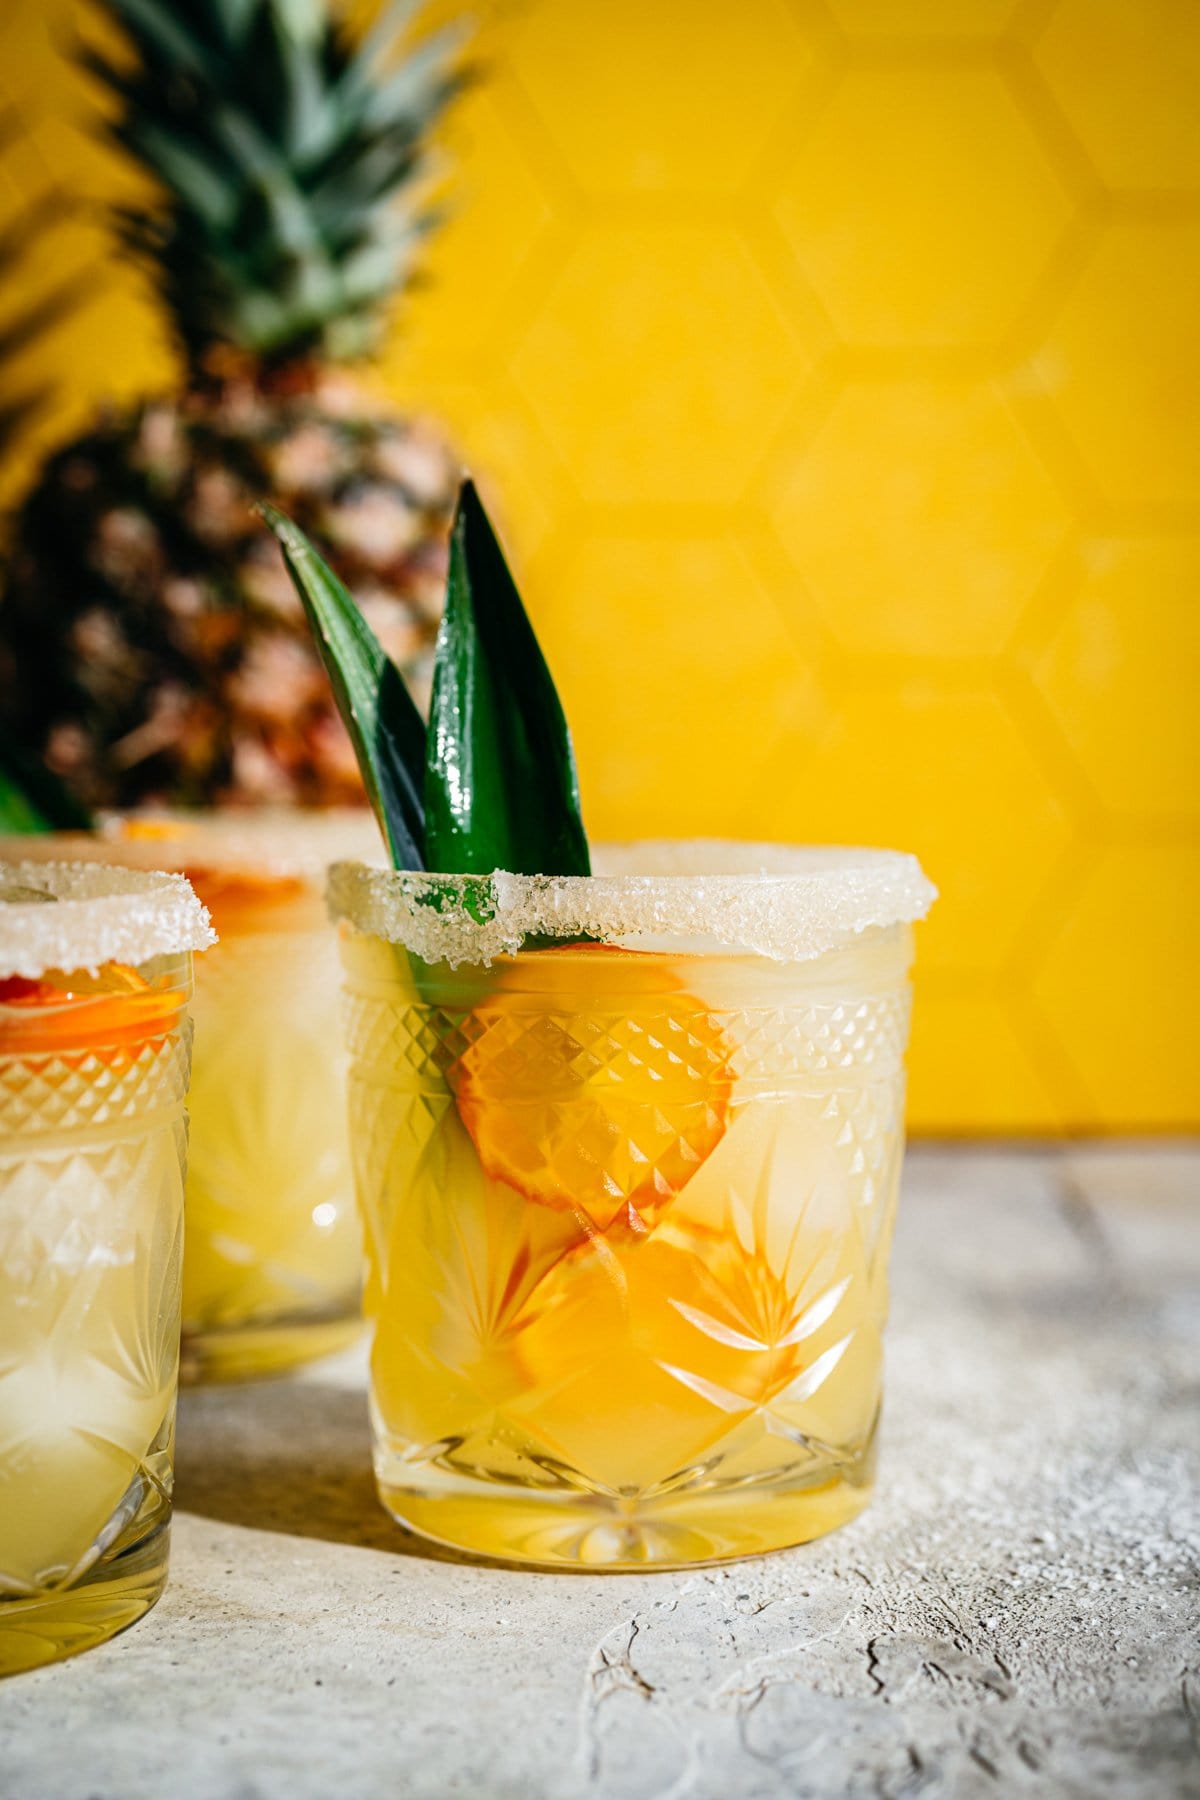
(101, 915)
(296, 844)
(783, 902)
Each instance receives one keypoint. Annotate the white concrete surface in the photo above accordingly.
(1017, 1613)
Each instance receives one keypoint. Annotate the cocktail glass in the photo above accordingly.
(273, 1271)
(95, 1041)
(628, 1194)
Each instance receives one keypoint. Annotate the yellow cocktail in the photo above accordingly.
(629, 1198)
(95, 1042)
(273, 1269)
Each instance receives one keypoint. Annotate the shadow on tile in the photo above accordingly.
(293, 1457)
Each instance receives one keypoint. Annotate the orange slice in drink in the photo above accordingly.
(594, 1080)
(79, 1012)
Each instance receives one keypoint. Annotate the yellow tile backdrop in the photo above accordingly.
(835, 372)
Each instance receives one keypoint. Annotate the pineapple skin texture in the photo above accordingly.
(152, 648)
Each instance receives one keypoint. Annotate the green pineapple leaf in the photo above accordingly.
(380, 714)
(501, 790)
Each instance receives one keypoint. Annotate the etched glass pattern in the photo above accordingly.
(627, 1221)
(274, 1252)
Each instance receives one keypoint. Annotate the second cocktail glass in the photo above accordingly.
(273, 1271)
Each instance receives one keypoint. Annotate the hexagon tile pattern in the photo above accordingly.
(831, 366)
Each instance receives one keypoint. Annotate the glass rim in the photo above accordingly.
(280, 843)
(788, 903)
(96, 914)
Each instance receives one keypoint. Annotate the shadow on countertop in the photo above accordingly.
(292, 1457)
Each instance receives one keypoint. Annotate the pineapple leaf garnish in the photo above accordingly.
(380, 714)
(501, 791)
(492, 784)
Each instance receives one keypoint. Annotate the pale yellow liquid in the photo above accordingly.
(627, 1221)
(273, 1267)
(91, 1238)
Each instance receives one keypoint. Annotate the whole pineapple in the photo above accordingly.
(151, 646)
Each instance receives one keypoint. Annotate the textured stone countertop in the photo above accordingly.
(1018, 1612)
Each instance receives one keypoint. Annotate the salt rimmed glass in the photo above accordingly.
(627, 1149)
(273, 1272)
(95, 1041)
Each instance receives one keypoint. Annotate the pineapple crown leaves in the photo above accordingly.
(492, 784)
(293, 160)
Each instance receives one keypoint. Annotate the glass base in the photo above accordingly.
(47, 1628)
(598, 1532)
(249, 1352)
